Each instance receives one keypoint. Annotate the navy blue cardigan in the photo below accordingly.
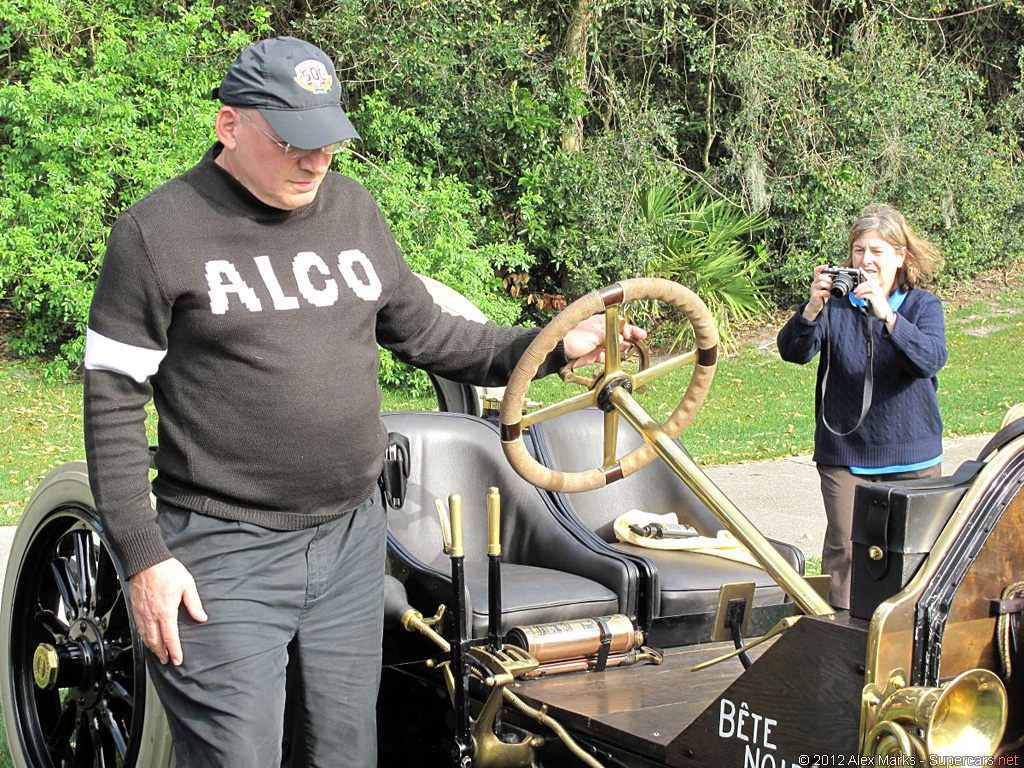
(903, 425)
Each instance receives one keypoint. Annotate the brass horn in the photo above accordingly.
(965, 716)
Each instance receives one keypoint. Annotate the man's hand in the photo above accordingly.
(584, 344)
(156, 593)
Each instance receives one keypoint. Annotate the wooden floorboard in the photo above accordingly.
(643, 707)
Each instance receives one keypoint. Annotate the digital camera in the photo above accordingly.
(844, 280)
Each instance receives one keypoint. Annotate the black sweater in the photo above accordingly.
(255, 330)
(903, 425)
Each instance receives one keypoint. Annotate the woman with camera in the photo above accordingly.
(882, 342)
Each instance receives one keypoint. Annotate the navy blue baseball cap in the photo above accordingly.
(294, 86)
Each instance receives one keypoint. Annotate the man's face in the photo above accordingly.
(254, 155)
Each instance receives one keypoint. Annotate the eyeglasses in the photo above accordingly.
(330, 149)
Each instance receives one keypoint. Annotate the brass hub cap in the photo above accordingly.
(45, 665)
(78, 665)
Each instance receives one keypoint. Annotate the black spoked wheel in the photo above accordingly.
(78, 678)
(75, 686)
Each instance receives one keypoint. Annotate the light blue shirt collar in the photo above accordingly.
(895, 301)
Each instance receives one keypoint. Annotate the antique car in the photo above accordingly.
(531, 621)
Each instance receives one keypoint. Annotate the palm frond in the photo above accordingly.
(705, 245)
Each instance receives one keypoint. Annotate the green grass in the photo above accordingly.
(5, 753)
(986, 356)
(41, 428)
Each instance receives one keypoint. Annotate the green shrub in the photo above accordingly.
(436, 220)
(819, 135)
(99, 105)
(90, 124)
(796, 111)
(704, 245)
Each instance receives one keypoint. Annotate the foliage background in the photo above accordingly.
(511, 143)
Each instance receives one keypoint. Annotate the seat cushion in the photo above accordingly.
(547, 573)
(690, 581)
(531, 595)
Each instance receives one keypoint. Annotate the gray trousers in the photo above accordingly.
(838, 485)
(321, 587)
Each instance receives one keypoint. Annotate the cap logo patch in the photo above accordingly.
(313, 76)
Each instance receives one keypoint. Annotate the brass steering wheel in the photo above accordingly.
(608, 300)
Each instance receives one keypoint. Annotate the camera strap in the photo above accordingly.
(869, 375)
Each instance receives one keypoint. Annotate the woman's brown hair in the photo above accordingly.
(923, 259)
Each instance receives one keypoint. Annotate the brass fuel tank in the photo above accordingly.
(576, 638)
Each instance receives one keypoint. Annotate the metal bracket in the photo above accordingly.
(820, 583)
(511, 748)
(740, 590)
(516, 748)
(1003, 607)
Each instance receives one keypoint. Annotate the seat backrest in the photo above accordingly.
(573, 443)
(454, 453)
(551, 571)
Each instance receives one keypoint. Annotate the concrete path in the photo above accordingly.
(781, 497)
(6, 537)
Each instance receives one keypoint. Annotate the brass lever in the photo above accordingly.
(494, 570)
(493, 521)
(778, 629)
(455, 513)
(446, 526)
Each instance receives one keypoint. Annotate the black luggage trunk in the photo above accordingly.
(894, 528)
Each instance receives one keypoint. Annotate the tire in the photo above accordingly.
(64, 588)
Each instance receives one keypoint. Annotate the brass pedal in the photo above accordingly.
(505, 664)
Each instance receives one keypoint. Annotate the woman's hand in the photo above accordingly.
(870, 291)
(820, 286)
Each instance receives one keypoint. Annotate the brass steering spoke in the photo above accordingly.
(664, 368)
(611, 437)
(575, 403)
(612, 348)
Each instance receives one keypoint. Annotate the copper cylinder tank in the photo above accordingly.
(575, 638)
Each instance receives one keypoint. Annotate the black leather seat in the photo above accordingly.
(674, 583)
(547, 573)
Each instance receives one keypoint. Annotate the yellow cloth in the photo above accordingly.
(723, 545)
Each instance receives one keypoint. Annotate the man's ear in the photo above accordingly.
(226, 125)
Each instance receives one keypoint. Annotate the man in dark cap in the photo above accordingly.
(247, 298)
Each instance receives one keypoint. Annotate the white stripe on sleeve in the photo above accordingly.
(103, 354)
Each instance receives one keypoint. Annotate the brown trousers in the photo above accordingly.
(838, 485)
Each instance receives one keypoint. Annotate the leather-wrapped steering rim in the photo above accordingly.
(705, 334)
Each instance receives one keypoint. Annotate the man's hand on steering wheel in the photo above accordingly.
(584, 344)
